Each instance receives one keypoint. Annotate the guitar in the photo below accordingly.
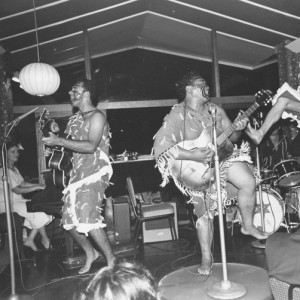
(196, 176)
(60, 160)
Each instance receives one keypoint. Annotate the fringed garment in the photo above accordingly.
(182, 124)
(89, 178)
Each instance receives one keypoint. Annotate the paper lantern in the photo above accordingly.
(39, 79)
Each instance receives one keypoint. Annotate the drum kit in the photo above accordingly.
(280, 192)
(277, 194)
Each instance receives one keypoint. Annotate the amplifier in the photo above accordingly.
(121, 219)
(159, 230)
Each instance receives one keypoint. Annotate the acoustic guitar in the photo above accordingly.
(196, 176)
(60, 160)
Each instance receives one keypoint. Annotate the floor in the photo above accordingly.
(46, 276)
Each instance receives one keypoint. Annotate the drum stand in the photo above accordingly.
(289, 204)
(261, 244)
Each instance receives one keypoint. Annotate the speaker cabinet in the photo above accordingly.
(159, 230)
(122, 219)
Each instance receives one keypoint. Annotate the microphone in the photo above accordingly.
(212, 109)
(18, 119)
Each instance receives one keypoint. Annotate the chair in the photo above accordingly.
(284, 291)
(152, 212)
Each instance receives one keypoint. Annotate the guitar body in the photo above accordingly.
(60, 160)
(60, 178)
(196, 175)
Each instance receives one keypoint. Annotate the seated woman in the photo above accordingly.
(17, 186)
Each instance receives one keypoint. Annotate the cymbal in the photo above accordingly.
(289, 181)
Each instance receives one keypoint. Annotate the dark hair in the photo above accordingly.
(11, 144)
(87, 85)
(124, 281)
(187, 79)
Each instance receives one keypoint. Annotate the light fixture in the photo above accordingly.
(15, 77)
(39, 79)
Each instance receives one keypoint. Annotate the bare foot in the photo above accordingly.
(205, 267)
(252, 230)
(46, 244)
(30, 244)
(89, 262)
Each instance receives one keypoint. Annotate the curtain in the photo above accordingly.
(289, 65)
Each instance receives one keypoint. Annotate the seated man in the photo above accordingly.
(180, 155)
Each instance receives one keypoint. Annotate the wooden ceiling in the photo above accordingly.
(247, 31)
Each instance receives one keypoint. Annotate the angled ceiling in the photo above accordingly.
(247, 31)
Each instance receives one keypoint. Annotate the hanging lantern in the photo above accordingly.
(39, 79)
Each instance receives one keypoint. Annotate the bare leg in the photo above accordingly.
(45, 239)
(240, 175)
(29, 242)
(204, 228)
(272, 117)
(91, 254)
(101, 239)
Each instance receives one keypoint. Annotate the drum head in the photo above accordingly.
(273, 211)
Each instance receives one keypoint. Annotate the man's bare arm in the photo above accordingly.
(97, 123)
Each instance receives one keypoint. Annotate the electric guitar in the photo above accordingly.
(60, 160)
(196, 176)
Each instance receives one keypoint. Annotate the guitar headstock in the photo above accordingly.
(263, 97)
(44, 118)
(48, 124)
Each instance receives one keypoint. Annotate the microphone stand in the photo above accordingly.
(224, 289)
(7, 200)
(259, 243)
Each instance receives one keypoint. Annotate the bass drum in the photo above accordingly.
(274, 211)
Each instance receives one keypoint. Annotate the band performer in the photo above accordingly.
(18, 187)
(186, 121)
(90, 174)
(274, 147)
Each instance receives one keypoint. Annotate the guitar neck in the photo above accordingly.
(45, 132)
(222, 138)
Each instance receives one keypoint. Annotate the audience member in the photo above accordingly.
(123, 280)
